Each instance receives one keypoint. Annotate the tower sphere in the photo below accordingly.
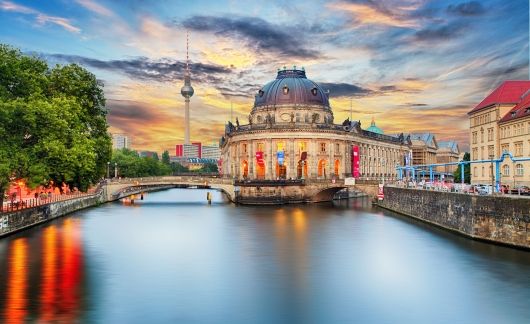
(187, 91)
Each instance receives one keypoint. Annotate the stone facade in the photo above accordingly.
(499, 219)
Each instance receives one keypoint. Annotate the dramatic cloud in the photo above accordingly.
(258, 33)
(472, 8)
(40, 18)
(444, 32)
(163, 70)
(344, 90)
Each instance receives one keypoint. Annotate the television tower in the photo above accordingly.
(187, 92)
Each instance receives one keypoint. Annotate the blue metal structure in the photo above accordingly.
(497, 162)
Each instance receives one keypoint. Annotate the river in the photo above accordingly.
(172, 258)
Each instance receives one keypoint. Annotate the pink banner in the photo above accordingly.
(355, 161)
(259, 158)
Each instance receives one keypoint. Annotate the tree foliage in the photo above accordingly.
(131, 165)
(165, 158)
(53, 126)
(467, 170)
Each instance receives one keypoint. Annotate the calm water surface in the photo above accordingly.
(174, 259)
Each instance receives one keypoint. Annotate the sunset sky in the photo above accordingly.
(413, 65)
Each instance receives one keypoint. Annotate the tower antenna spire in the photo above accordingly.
(187, 52)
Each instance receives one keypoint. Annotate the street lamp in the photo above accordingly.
(492, 175)
(115, 169)
(108, 169)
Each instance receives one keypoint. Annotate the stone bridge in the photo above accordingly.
(244, 192)
(122, 188)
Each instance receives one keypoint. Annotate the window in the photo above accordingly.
(483, 171)
(285, 89)
(260, 147)
(505, 148)
(337, 148)
(474, 137)
(482, 153)
(245, 148)
(259, 119)
(322, 147)
(506, 170)
(519, 171)
(475, 172)
(474, 154)
(482, 135)
(519, 149)
(491, 151)
(490, 134)
(302, 147)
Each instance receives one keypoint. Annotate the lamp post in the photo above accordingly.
(115, 169)
(492, 175)
(108, 169)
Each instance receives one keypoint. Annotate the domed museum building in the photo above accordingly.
(291, 134)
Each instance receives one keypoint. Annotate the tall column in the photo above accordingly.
(251, 159)
(187, 120)
(291, 171)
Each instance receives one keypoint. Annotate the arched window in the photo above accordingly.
(519, 170)
(259, 119)
(506, 170)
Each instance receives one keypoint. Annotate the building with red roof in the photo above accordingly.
(501, 122)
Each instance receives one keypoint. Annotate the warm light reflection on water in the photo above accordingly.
(44, 275)
(17, 277)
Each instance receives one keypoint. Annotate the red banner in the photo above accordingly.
(259, 158)
(355, 161)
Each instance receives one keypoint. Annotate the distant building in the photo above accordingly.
(147, 154)
(120, 141)
(193, 150)
(501, 122)
(448, 152)
(193, 164)
(424, 148)
(211, 152)
(374, 129)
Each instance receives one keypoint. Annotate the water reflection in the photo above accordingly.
(174, 258)
(44, 275)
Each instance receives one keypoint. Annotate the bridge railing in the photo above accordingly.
(172, 179)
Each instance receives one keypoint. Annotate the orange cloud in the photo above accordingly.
(371, 15)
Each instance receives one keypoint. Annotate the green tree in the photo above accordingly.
(467, 170)
(74, 81)
(132, 165)
(178, 168)
(53, 128)
(165, 158)
(209, 168)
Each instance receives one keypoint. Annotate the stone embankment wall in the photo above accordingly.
(19, 220)
(499, 219)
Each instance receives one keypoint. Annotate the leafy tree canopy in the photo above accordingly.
(53, 127)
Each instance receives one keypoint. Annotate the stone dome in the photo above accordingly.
(292, 88)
